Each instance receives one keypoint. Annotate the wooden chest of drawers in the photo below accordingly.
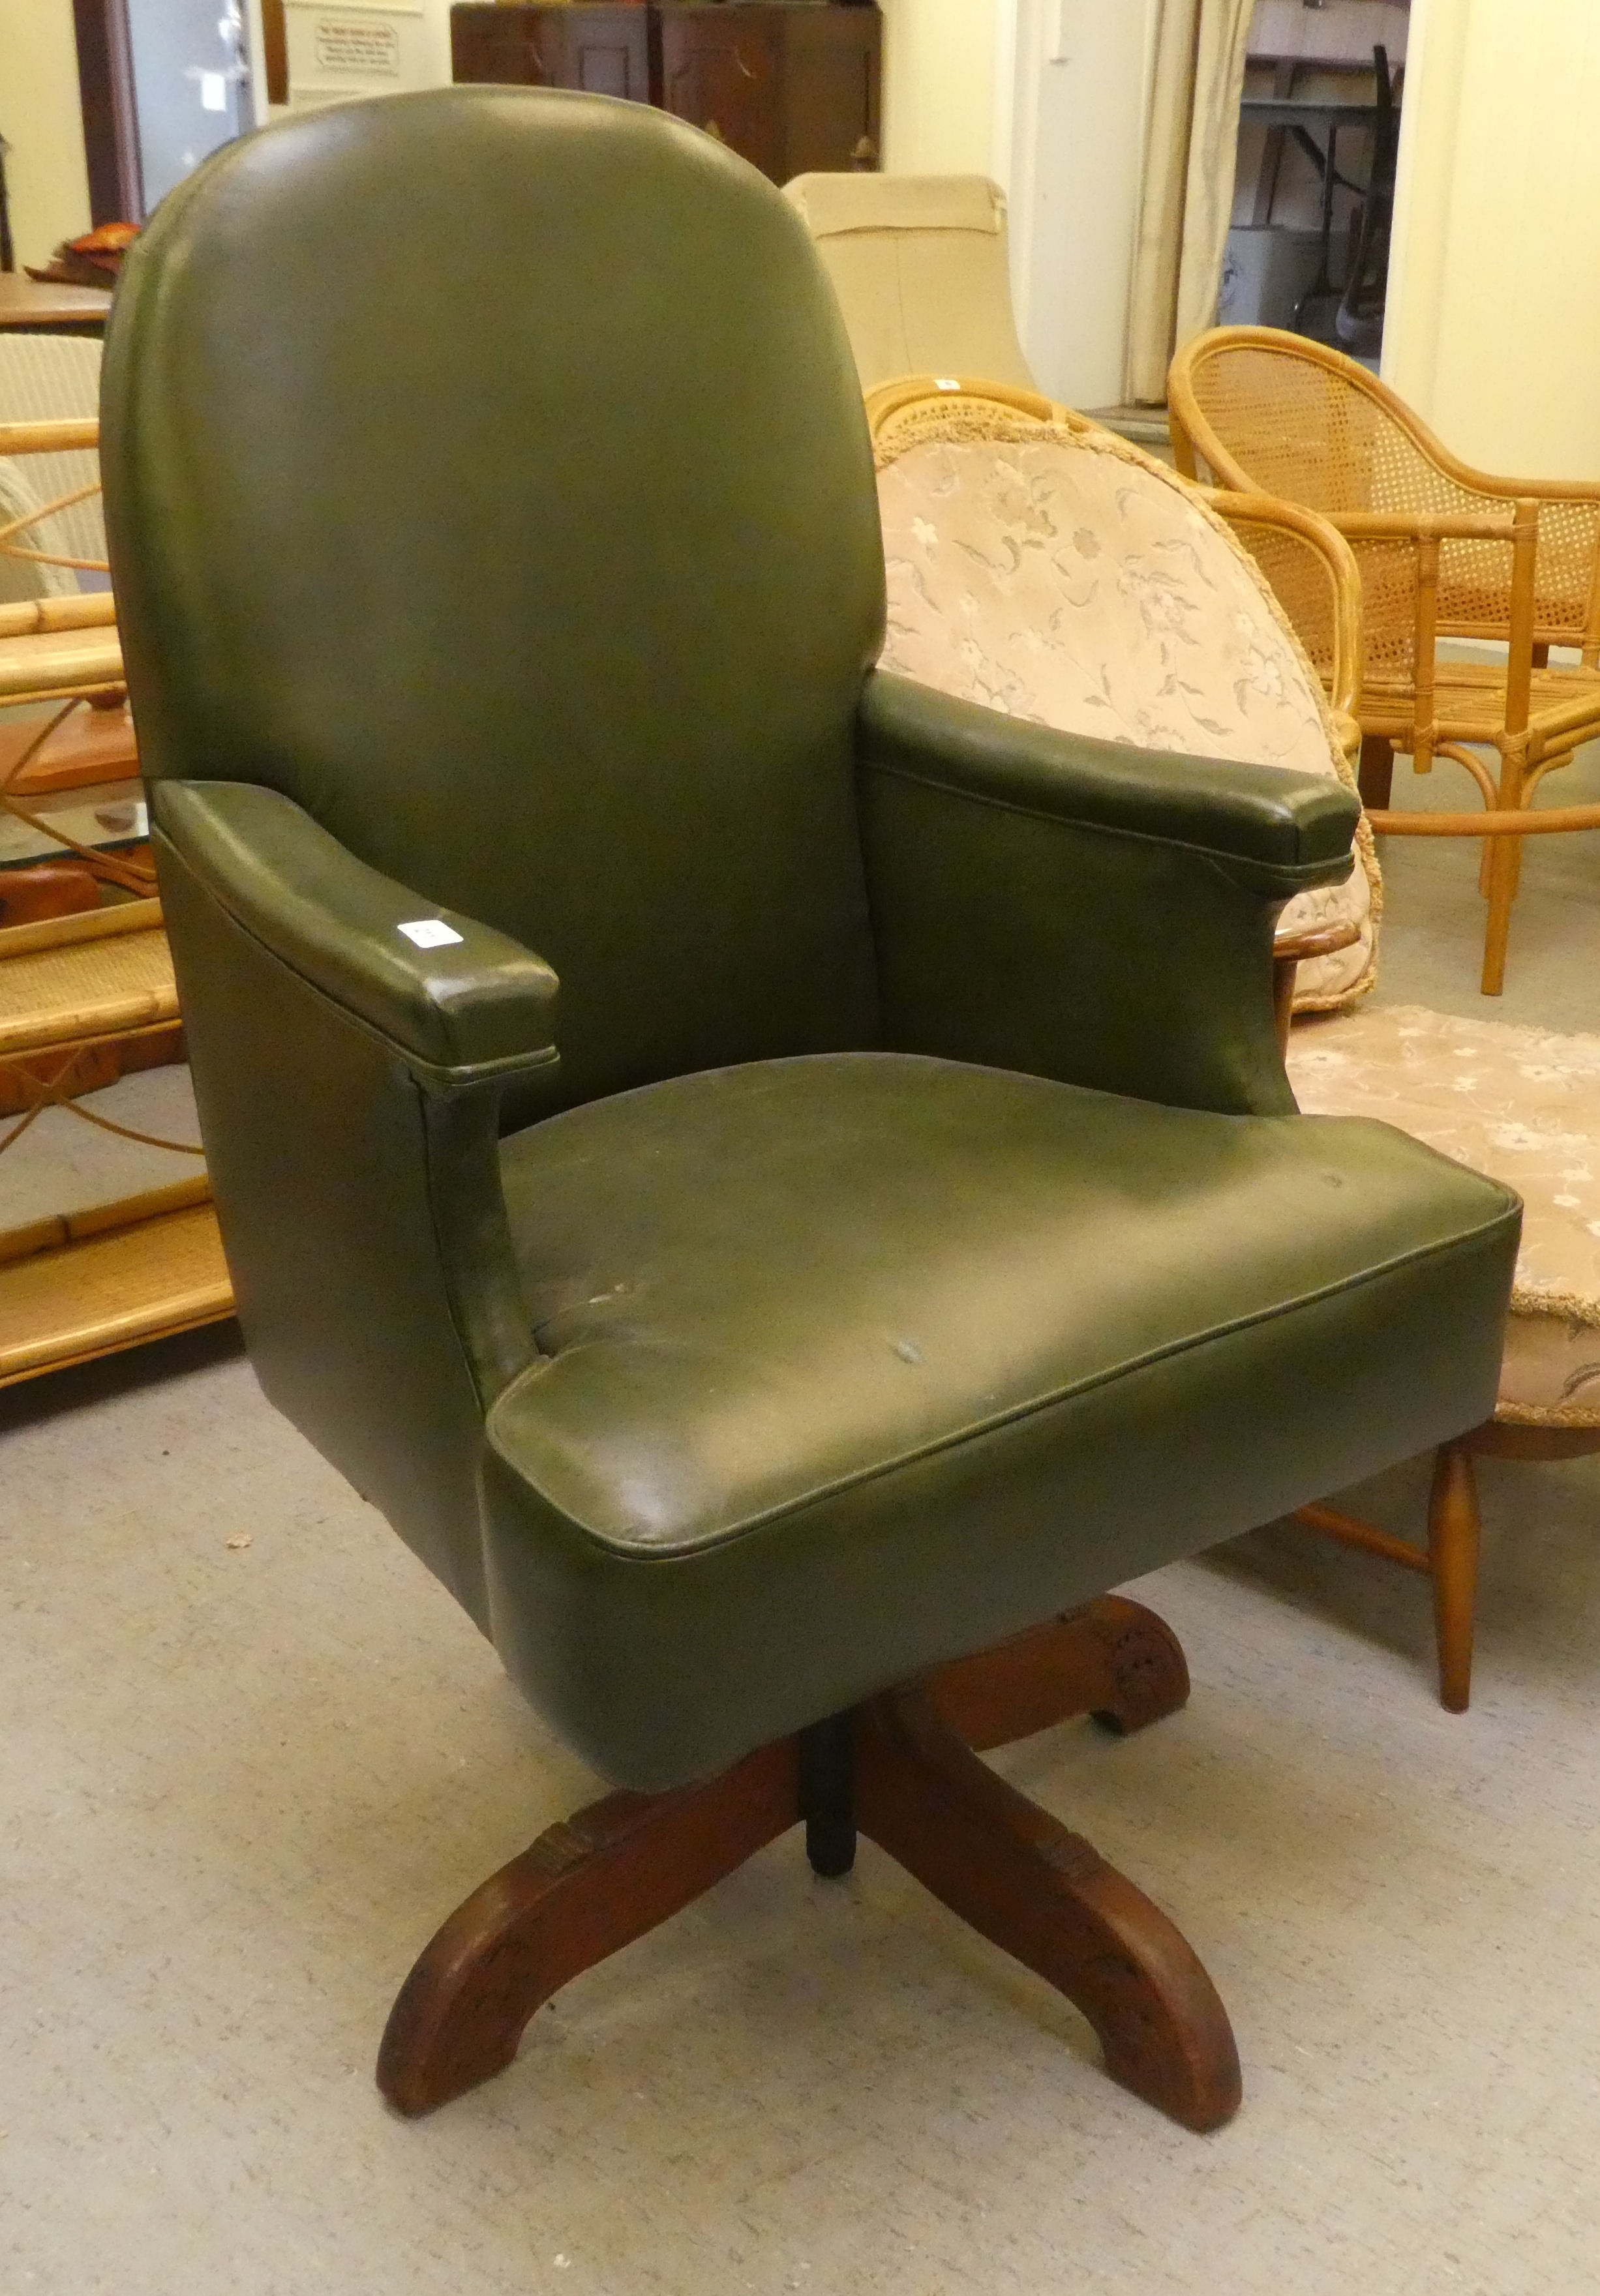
(604, 49)
(789, 84)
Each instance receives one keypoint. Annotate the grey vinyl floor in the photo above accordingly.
(239, 1784)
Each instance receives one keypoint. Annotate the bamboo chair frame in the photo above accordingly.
(915, 409)
(85, 1284)
(1449, 1560)
(1427, 574)
(56, 648)
(80, 1285)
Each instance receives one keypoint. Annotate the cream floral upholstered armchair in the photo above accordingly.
(1042, 567)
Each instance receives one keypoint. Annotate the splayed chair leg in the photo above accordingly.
(1113, 1658)
(1047, 1896)
(901, 1769)
(588, 1886)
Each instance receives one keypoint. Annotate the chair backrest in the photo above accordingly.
(1261, 409)
(922, 269)
(47, 379)
(1057, 573)
(916, 410)
(1284, 416)
(1312, 572)
(487, 471)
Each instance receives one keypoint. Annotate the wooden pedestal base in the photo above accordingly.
(902, 1770)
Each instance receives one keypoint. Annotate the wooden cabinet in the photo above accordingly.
(789, 84)
(603, 49)
(722, 67)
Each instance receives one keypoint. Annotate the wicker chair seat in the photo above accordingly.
(1469, 705)
(81, 991)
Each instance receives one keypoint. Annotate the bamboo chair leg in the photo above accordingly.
(1504, 871)
(1514, 867)
(1453, 1541)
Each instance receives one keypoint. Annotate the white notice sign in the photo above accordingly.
(346, 46)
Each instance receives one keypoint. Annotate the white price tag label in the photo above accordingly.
(429, 932)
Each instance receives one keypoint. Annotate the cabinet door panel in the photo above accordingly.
(502, 45)
(604, 48)
(721, 68)
(830, 82)
(610, 67)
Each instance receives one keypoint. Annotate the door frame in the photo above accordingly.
(111, 118)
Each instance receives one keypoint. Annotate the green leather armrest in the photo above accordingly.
(465, 1005)
(1084, 909)
(1280, 832)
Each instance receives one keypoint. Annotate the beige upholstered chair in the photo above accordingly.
(921, 270)
(1086, 586)
(1444, 551)
(1055, 572)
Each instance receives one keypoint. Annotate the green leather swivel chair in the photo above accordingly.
(704, 1136)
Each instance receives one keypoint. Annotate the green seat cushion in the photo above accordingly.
(854, 1362)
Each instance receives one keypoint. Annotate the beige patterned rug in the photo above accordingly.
(1522, 1104)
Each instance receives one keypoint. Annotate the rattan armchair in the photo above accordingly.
(1444, 551)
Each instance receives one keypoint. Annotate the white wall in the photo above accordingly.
(1494, 298)
(1050, 97)
(40, 118)
(1081, 79)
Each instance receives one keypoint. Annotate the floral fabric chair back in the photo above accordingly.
(1064, 577)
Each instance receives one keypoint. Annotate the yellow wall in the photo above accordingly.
(39, 117)
(939, 86)
(1494, 327)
